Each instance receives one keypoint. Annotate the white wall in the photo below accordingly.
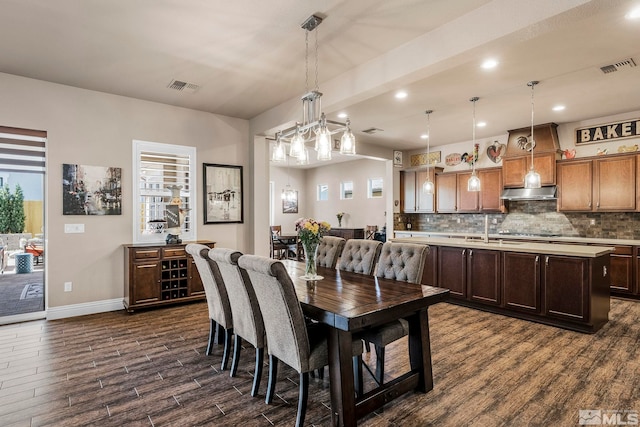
(296, 178)
(94, 128)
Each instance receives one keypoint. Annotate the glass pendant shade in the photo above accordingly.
(288, 194)
(428, 187)
(474, 182)
(296, 149)
(304, 158)
(278, 154)
(532, 179)
(348, 141)
(323, 142)
(324, 152)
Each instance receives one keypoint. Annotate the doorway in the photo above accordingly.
(22, 225)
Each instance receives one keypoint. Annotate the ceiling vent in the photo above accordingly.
(183, 86)
(620, 65)
(371, 131)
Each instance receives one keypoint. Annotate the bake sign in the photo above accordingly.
(608, 132)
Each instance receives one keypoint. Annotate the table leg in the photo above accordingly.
(343, 403)
(420, 349)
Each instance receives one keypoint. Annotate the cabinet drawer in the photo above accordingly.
(623, 250)
(146, 253)
(174, 252)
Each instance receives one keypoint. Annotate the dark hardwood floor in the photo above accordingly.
(149, 369)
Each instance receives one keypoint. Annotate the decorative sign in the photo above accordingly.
(608, 132)
(453, 159)
(397, 158)
(421, 159)
(495, 151)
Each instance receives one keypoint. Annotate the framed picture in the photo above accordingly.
(223, 195)
(397, 158)
(290, 204)
(91, 190)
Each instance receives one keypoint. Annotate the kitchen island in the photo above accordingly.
(557, 284)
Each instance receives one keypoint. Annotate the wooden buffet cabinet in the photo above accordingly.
(157, 275)
(347, 233)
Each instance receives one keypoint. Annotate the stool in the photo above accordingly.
(24, 263)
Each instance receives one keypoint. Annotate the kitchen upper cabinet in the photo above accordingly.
(605, 184)
(446, 188)
(414, 198)
(485, 200)
(521, 282)
(515, 168)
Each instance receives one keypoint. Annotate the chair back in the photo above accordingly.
(247, 318)
(214, 287)
(360, 255)
(276, 231)
(284, 321)
(402, 261)
(329, 251)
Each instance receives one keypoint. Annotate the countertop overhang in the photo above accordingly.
(509, 245)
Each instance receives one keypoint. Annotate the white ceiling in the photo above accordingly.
(248, 58)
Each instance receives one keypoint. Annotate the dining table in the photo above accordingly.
(350, 303)
(291, 240)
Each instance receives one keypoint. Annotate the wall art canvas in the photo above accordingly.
(290, 205)
(223, 194)
(91, 190)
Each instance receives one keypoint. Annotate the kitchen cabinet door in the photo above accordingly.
(614, 186)
(467, 201)
(408, 191)
(483, 276)
(425, 203)
(515, 168)
(452, 268)
(566, 276)
(575, 186)
(521, 282)
(489, 197)
(430, 274)
(446, 185)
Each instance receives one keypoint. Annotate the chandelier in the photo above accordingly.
(315, 127)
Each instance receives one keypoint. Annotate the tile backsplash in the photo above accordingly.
(529, 217)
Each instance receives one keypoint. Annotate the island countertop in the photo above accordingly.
(508, 245)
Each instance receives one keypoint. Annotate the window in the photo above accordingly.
(346, 190)
(323, 192)
(375, 188)
(162, 172)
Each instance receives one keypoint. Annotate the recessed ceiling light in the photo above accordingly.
(558, 108)
(489, 64)
(481, 124)
(342, 115)
(633, 13)
(401, 94)
(424, 136)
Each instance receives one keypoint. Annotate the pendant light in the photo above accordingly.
(532, 178)
(428, 186)
(279, 154)
(288, 193)
(474, 182)
(296, 146)
(348, 141)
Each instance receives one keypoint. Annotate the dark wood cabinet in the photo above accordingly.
(452, 270)
(521, 282)
(430, 273)
(347, 233)
(515, 168)
(605, 184)
(161, 274)
(565, 276)
(484, 276)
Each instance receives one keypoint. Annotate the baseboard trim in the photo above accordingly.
(24, 317)
(62, 312)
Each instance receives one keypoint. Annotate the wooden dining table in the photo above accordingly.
(291, 240)
(350, 303)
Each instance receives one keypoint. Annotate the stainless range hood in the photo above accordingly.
(543, 193)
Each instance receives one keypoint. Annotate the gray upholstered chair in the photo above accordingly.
(247, 318)
(290, 339)
(360, 255)
(329, 251)
(403, 262)
(217, 298)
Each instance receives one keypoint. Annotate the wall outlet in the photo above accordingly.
(494, 221)
(458, 219)
(592, 222)
(74, 228)
(68, 286)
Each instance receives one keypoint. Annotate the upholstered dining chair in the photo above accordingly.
(360, 255)
(290, 338)
(398, 261)
(217, 298)
(247, 318)
(329, 251)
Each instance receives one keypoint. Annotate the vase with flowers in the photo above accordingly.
(310, 232)
(339, 215)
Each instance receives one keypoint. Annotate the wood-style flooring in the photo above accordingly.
(149, 369)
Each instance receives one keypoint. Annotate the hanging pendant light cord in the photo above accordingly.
(428, 140)
(532, 84)
(473, 153)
